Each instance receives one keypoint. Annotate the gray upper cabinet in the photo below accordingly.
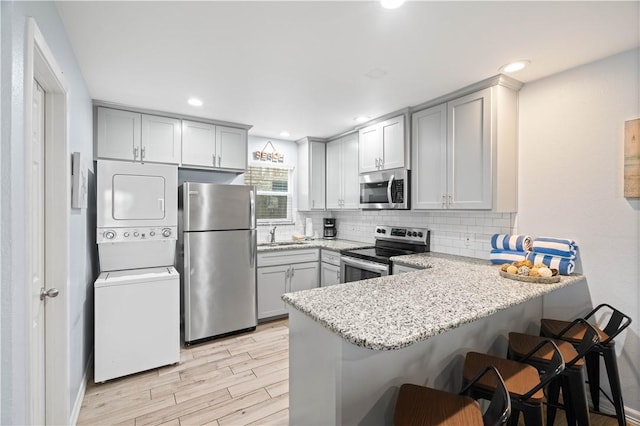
(464, 153)
(311, 174)
(342, 173)
(161, 139)
(208, 146)
(382, 146)
(125, 135)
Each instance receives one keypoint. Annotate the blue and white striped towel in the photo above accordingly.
(564, 265)
(555, 246)
(499, 256)
(511, 242)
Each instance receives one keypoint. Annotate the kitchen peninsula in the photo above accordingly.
(353, 345)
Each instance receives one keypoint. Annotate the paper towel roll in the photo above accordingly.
(308, 229)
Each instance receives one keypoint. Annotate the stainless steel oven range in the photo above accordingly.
(372, 262)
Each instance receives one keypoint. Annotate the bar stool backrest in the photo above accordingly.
(555, 366)
(590, 339)
(499, 408)
(615, 324)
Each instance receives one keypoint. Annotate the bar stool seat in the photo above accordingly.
(575, 334)
(519, 378)
(520, 344)
(423, 406)
(419, 405)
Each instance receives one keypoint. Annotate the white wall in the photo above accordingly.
(290, 151)
(571, 184)
(12, 243)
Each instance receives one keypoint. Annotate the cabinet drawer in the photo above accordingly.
(331, 257)
(287, 257)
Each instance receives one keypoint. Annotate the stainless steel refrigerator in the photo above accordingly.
(217, 258)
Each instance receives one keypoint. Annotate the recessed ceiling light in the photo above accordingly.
(391, 4)
(515, 66)
(194, 102)
(361, 118)
(284, 134)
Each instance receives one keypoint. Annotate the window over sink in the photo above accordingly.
(274, 196)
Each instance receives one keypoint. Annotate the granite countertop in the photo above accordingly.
(397, 311)
(337, 245)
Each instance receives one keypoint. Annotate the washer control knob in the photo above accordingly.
(136, 234)
(152, 233)
(126, 234)
(166, 232)
(110, 235)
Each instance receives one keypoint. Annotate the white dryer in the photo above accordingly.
(137, 295)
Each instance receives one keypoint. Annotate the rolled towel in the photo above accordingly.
(511, 242)
(555, 247)
(564, 265)
(499, 256)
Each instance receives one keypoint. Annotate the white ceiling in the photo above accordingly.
(302, 66)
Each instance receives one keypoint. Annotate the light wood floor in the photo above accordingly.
(239, 380)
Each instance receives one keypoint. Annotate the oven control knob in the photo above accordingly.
(420, 234)
(126, 234)
(384, 231)
(166, 232)
(415, 234)
(109, 235)
(152, 233)
(136, 234)
(378, 230)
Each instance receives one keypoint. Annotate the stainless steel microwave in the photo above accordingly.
(387, 189)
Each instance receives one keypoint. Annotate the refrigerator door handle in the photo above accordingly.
(253, 250)
(252, 208)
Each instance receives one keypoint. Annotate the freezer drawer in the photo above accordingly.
(214, 207)
(219, 283)
(137, 321)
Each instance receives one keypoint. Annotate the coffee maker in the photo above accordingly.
(330, 230)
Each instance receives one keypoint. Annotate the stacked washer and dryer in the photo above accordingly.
(137, 295)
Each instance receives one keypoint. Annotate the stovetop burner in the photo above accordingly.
(393, 241)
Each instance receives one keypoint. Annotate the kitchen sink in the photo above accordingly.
(282, 243)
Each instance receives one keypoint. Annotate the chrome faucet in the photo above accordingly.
(272, 233)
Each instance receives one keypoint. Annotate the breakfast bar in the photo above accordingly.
(353, 345)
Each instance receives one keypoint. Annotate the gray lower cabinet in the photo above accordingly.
(284, 272)
(329, 268)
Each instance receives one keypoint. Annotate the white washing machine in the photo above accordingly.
(137, 321)
(137, 295)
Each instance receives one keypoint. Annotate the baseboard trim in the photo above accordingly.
(75, 413)
(633, 416)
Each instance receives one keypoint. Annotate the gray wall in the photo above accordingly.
(13, 350)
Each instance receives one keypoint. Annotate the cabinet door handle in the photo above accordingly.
(142, 153)
(293, 271)
(219, 160)
(214, 160)
(135, 152)
(450, 200)
(444, 200)
(381, 163)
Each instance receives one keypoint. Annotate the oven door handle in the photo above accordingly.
(363, 264)
(389, 185)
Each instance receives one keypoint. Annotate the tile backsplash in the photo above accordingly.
(461, 233)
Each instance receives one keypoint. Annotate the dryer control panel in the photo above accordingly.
(118, 235)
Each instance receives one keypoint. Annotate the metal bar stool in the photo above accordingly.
(571, 379)
(573, 332)
(423, 406)
(522, 380)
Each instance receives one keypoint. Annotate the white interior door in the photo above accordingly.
(38, 255)
(47, 186)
